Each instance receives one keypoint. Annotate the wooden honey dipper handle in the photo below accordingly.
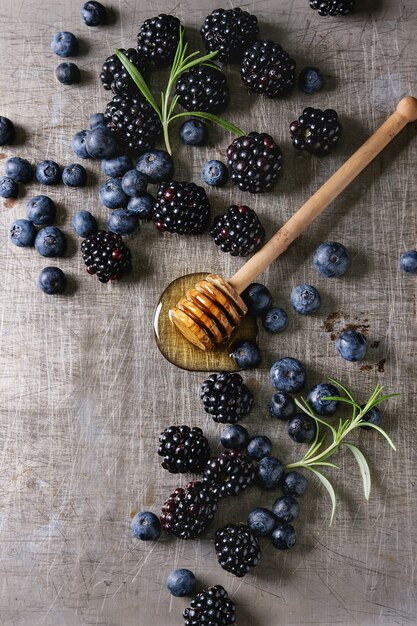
(406, 112)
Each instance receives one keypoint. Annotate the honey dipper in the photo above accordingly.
(212, 308)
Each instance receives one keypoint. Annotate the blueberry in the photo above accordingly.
(7, 131)
(22, 233)
(305, 299)
(269, 472)
(79, 145)
(64, 44)
(352, 345)
(287, 374)
(93, 13)
(282, 406)
(112, 195)
(146, 526)
(41, 210)
(48, 173)
(142, 206)
(194, 133)
(373, 417)
(315, 399)
(259, 447)
(246, 355)
(19, 169)
(286, 509)
(261, 521)
(157, 165)
(50, 241)
(97, 119)
(276, 320)
(52, 280)
(257, 298)
(215, 173)
(302, 428)
(68, 73)
(122, 222)
(310, 80)
(101, 143)
(134, 183)
(408, 261)
(84, 224)
(283, 537)
(181, 583)
(234, 437)
(8, 187)
(74, 175)
(116, 166)
(331, 259)
(294, 484)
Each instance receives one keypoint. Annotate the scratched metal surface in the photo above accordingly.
(84, 391)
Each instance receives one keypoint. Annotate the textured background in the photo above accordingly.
(84, 391)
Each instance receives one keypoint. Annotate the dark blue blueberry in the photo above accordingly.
(234, 437)
(408, 261)
(194, 133)
(373, 417)
(269, 472)
(257, 298)
(93, 13)
(315, 399)
(117, 166)
(286, 509)
(246, 355)
(84, 224)
(276, 320)
(282, 406)
(302, 428)
(122, 222)
(331, 259)
(261, 521)
(22, 233)
(181, 583)
(287, 374)
(97, 119)
(64, 44)
(79, 145)
(48, 173)
(19, 169)
(101, 143)
(112, 195)
(142, 206)
(8, 187)
(215, 173)
(352, 345)
(310, 80)
(259, 447)
(41, 210)
(7, 131)
(134, 183)
(157, 165)
(146, 526)
(305, 299)
(52, 280)
(294, 484)
(283, 537)
(50, 241)
(68, 73)
(74, 175)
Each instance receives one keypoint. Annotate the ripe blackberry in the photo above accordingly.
(134, 122)
(202, 88)
(228, 474)
(237, 549)
(238, 231)
(188, 511)
(181, 208)
(158, 39)
(268, 69)
(226, 397)
(255, 160)
(211, 607)
(230, 31)
(114, 75)
(106, 255)
(333, 7)
(316, 131)
(184, 449)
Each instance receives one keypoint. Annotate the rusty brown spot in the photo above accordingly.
(381, 365)
(333, 336)
(363, 328)
(365, 368)
(3, 155)
(132, 514)
(330, 321)
(9, 203)
(375, 344)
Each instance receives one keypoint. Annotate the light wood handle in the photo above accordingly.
(406, 112)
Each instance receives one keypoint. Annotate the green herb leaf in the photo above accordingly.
(213, 118)
(327, 484)
(363, 466)
(383, 433)
(139, 81)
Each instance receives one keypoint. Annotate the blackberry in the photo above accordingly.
(316, 131)
(237, 549)
(238, 231)
(226, 397)
(228, 474)
(181, 208)
(268, 69)
(188, 511)
(114, 75)
(255, 160)
(184, 449)
(106, 255)
(158, 39)
(230, 31)
(134, 122)
(211, 607)
(333, 7)
(202, 88)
